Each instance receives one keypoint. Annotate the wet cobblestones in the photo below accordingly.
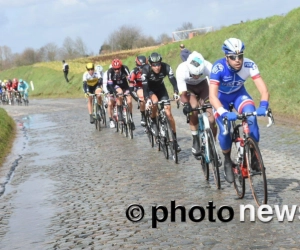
(86, 180)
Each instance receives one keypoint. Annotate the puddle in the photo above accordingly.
(31, 214)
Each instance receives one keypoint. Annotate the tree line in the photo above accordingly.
(125, 38)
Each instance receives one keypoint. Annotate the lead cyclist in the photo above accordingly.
(227, 81)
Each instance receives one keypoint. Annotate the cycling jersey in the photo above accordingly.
(232, 90)
(184, 78)
(119, 79)
(155, 82)
(230, 81)
(15, 85)
(23, 86)
(136, 77)
(91, 81)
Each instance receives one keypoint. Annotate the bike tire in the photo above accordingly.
(239, 180)
(96, 116)
(204, 164)
(128, 124)
(148, 130)
(213, 157)
(171, 141)
(103, 116)
(256, 174)
(162, 140)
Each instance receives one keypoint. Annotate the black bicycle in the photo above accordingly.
(125, 126)
(247, 158)
(166, 138)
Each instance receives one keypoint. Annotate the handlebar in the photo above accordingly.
(203, 108)
(245, 115)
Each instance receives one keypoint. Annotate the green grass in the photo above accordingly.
(7, 134)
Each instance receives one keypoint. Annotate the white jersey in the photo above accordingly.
(183, 76)
(105, 82)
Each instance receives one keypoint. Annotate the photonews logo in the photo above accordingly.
(224, 213)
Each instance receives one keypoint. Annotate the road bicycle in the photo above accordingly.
(166, 138)
(247, 158)
(124, 127)
(98, 112)
(209, 154)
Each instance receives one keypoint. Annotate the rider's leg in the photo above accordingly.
(119, 104)
(142, 106)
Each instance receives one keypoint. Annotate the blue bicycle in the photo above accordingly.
(209, 155)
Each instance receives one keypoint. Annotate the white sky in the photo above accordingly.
(34, 23)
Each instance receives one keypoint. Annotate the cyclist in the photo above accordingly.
(155, 90)
(117, 83)
(23, 89)
(92, 83)
(9, 89)
(135, 81)
(193, 87)
(15, 84)
(227, 80)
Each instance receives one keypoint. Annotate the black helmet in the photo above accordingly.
(155, 57)
(141, 60)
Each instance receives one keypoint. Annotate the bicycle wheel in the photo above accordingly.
(129, 123)
(239, 180)
(171, 140)
(256, 172)
(204, 164)
(103, 115)
(162, 140)
(96, 116)
(213, 157)
(148, 130)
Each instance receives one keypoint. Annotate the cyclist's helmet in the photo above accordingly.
(15, 80)
(141, 61)
(233, 46)
(99, 68)
(195, 63)
(90, 66)
(116, 63)
(20, 80)
(154, 58)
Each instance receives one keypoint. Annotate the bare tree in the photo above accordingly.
(144, 42)
(68, 50)
(164, 39)
(80, 47)
(185, 26)
(51, 52)
(124, 38)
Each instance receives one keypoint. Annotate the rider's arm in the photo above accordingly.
(100, 82)
(262, 88)
(214, 100)
(172, 78)
(84, 86)
(145, 83)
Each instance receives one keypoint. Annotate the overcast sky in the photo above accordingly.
(34, 23)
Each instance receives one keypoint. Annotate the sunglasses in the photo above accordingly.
(196, 76)
(156, 64)
(234, 57)
(90, 69)
(117, 69)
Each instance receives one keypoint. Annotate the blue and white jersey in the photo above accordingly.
(230, 81)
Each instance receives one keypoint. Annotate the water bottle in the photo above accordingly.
(162, 130)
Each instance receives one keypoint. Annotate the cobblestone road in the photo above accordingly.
(67, 186)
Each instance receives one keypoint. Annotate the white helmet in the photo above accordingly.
(233, 46)
(99, 68)
(195, 63)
